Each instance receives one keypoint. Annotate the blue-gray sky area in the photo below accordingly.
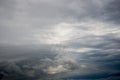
(59, 39)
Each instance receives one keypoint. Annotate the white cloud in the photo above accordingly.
(57, 69)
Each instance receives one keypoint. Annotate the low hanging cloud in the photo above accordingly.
(59, 40)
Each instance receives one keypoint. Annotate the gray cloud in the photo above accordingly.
(56, 40)
(112, 11)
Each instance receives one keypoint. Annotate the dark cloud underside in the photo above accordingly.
(59, 39)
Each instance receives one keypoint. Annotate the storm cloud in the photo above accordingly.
(59, 39)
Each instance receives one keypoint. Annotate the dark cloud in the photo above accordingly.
(112, 11)
(59, 40)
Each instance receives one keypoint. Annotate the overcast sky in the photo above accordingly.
(60, 39)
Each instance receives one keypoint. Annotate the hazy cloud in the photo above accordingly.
(59, 39)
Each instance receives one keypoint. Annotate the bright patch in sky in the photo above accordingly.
(59, 39)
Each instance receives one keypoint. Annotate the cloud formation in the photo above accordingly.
(59, 39)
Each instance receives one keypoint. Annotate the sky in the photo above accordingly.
(59, 39)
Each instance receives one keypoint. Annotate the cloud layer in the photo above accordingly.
(59, 40)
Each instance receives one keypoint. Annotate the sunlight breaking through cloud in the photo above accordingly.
(59, 39)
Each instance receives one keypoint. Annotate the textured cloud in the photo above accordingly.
(59, 39)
